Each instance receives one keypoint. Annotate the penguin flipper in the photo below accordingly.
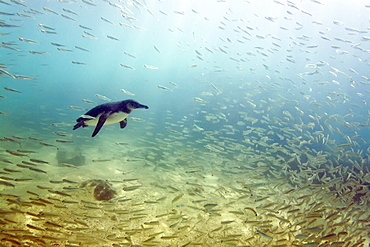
(123, 123)
(103, 117)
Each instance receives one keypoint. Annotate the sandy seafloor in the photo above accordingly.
(256, 134)
(170, 194)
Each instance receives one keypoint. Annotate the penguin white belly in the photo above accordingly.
(113, 118)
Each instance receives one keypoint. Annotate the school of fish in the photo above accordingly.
(265, 141)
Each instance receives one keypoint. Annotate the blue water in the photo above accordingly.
(245, 59)
(59, 83)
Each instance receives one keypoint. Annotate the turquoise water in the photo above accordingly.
(256, 134)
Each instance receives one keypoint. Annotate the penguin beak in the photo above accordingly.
(142, 106)
(132, 105)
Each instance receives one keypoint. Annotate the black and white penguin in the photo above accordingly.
(108, 113)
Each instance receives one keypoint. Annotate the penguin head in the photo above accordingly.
(132, 104)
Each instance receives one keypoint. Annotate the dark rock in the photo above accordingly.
(100, 189)
(71, 157)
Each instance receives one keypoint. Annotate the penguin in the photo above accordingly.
(108, 113)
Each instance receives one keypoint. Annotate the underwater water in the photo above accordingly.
(257, 132)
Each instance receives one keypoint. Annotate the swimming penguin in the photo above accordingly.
(108, 113)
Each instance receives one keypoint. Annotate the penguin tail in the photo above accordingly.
(78, 125)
